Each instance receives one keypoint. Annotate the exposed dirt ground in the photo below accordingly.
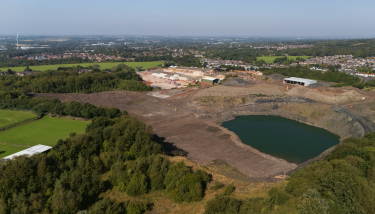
(194, 127)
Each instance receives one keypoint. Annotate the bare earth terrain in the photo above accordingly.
(194, 127)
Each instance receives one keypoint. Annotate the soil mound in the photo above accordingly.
(276, 77)
(328, 95)
(236, 82)
(321, 84)
(265, 89)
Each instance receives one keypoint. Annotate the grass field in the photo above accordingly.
(9, 117)
(46, 131)
(103, 65)
(6, 150)
(270, 59)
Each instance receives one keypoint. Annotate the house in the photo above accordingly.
(3, 73)
(84, 71)
(224, 69)
(24, 73)
(362, 74)
(213, 72)
(110, 72)
(30, 58)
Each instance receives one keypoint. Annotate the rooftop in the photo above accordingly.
(209, 78)
(30, 151)
(299, 79)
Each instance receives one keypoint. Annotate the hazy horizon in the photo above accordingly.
(239, 18)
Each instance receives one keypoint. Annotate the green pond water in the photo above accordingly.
(290, 140)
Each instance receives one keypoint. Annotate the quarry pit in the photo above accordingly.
(196, 125)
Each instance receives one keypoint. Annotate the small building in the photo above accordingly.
(299, 81)
(84, 71)
(29, 151)
(24, 73)
(209, 80)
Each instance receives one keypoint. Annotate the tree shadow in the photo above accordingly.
(168, 147)
(1, 152)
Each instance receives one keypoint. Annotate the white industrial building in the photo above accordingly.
(29, 151)
(299, 81)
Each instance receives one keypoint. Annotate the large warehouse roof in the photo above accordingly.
(30, 151)
(301, 80)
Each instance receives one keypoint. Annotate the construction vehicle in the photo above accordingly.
(175, 109)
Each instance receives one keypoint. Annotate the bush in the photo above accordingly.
(217, 186)
(278, 197)
(311, 203)
(107, 206)
(138, 185)
(229, 189)
(184, 185)
(222, 205)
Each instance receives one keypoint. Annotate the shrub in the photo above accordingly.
(107, 206)
(138, 185)
(229, 189)
(217, 186)
(311, 203)
(184, 185)
(222, 205)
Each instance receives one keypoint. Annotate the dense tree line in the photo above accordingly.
(356, 47)
(66, 80)
(186, 61)
(54, 106)
(340, 78)
(68, 179)
(343, 182)
(248, 55)
(26, 62)
(233, 68)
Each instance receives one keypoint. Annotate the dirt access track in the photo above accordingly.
(194, 127)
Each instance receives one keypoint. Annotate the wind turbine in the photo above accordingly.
(17, 41)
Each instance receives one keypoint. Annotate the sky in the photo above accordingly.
(260, 18)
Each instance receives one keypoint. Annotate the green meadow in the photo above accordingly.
(9, 117)
(46, 131)
(270, 59)
(103, 65)
(6, 149)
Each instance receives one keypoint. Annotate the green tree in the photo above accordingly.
(10, 72)
(138, 185)
(311, 203)
(27, 69)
